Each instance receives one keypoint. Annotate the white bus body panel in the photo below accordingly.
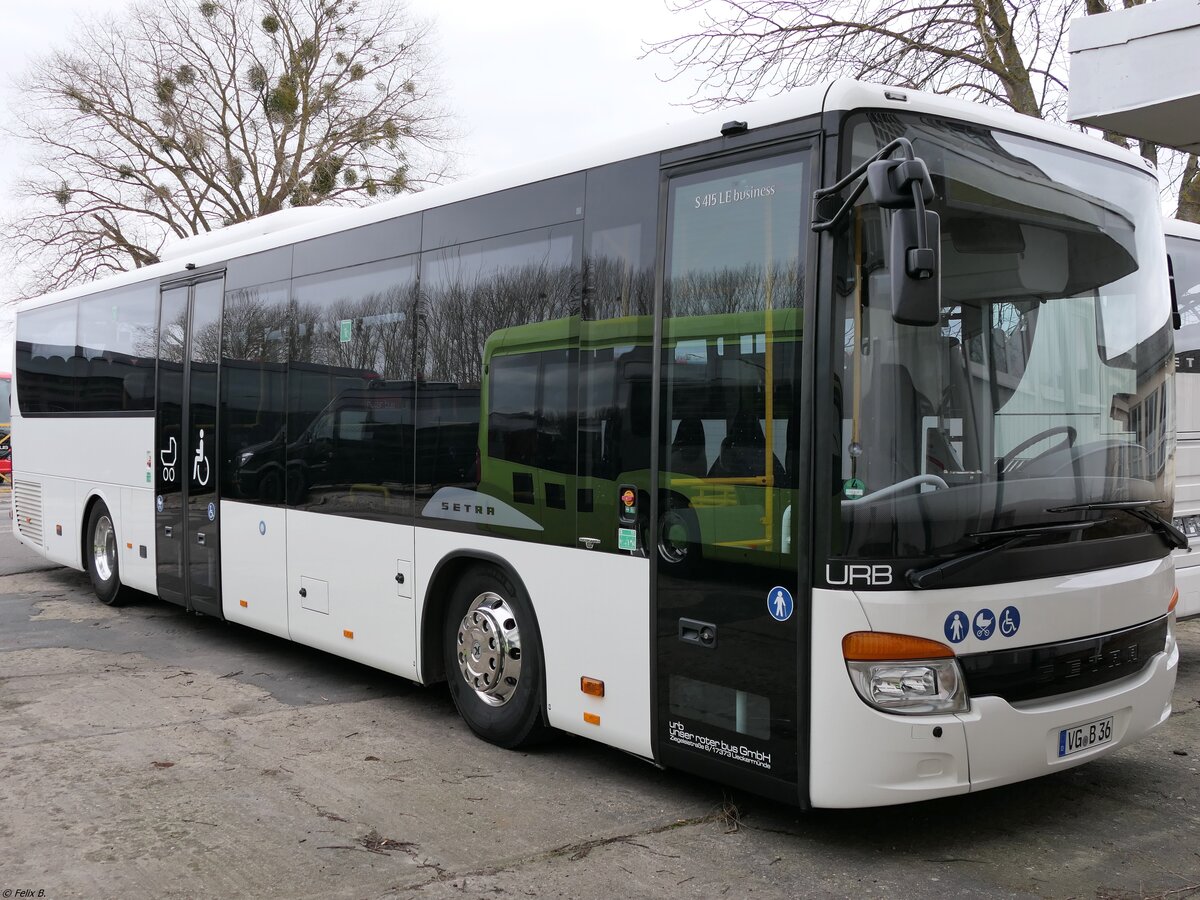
(863, 757)
(353, 562)
(593, 612)
(1183, 243)
(253, 561)
(110, 458)
(1187, 487)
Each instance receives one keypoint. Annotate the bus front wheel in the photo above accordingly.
(101, 553)
(493, 658)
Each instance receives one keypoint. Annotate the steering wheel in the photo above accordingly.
(1068, 430)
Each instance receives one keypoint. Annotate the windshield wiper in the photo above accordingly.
(993, 542)
(1139, 509)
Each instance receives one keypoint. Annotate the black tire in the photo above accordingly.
(101, 552)
(678, 537)
(513, 718)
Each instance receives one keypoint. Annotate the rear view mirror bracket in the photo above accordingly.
(903, 185)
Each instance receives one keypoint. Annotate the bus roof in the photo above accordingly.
(840, 95)
(1180, 228)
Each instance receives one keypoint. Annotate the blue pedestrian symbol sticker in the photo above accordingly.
(158, 503)
(956, 626)
(212, 511)
(779, 603)
(984, 624)
(1010, 621)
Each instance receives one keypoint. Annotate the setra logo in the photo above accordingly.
(869, 575)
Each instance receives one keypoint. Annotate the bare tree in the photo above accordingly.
(183, 116)
(1001, 52)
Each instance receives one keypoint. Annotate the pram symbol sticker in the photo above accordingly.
(168, 458)
(984, 624)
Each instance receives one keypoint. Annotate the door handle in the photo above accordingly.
(200, 538)
(703, 634)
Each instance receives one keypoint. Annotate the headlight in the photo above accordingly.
(245, 457)
(889, 673)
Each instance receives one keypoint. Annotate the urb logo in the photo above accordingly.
(872, 576)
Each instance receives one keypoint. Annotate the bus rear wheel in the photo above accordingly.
(101, 553)
(493, 659)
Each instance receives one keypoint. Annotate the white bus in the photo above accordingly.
(848, 496)
(1183, 250)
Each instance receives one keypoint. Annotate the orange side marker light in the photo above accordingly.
(243, 604)
(347, 633)
(591, 718)
(593, 687)
(1174, 601)
(874, 646)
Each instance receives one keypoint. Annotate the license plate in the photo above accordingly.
(1085, 736)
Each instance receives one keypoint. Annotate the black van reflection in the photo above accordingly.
(363, 449)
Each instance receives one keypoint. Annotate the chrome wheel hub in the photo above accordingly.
(104, 548)
(489, 649)
(672, 537)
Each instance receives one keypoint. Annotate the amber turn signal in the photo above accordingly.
(593, 687)
(878, 645)
(1174, 600)
(591, 718)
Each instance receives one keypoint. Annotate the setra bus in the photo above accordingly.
(5, 428)
(826, 451)
(1183, 252)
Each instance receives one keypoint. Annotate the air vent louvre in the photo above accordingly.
(27, 507)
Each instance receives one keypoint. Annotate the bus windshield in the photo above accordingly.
(1044, 386)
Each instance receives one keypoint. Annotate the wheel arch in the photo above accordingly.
(449, 569)
(96, 495)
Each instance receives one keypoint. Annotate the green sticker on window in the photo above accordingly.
(854, 488)
(626, 538)
(344, 329)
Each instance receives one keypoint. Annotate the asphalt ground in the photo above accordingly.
(145, 752)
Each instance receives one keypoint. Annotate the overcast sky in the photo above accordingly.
(526, 79)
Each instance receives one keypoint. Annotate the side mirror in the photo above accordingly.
(915, 265)
(897, 183)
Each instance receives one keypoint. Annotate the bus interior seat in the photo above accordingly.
(893, 399)
(957, 402)
(743, 449)
(688, 456)
(791, 454)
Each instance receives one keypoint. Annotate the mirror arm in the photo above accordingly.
(1176, 318)
(900, 143)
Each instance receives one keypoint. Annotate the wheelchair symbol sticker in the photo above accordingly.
(779, 603)
(1010, 621)
(262, 526)
(158, 503)
(984, 624)
(212, 511)
(200, 463)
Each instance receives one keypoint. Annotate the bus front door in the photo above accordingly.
(726, 571)
(187, 503)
